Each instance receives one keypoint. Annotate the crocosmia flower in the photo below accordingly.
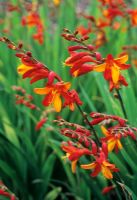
(101, 165)
(112, 67)
(113, 140)
(74, 154)
(53, 94)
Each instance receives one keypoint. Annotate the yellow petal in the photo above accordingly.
(73, 166)
(122, 59)
(57, 102)
(119, 144)
(23, 68)
(42, 91)
(100, 68)
(104, 131)
(106, 172)
(115, 73)
(88, 166)
(111, 145)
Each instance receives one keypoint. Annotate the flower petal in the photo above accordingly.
(106, 172)
(42, 91)
(96, 170)
(88, 166)
(111, 145)
(115, 73)
(100, 68)
(23, 68)
(48, 99)
(57, 102)
(73, 166)
(105, 131)
(122, 59)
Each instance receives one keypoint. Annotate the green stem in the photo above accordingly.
(121, 103)
(88, 122)
(121, 183)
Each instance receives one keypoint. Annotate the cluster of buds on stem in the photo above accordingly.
(23, 98)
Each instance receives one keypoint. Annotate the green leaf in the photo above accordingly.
(52, 195)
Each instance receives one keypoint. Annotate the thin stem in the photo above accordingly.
(122, 185)
(88, 122)
(121, 103)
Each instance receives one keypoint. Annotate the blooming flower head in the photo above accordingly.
(113, 140)
(112, 67)
(101, 165)
(53, 94)
(74, 153)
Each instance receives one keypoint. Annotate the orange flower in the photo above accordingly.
(73, 154)
(101, 165)
(112, 67)
(113, 140)
(53, 94)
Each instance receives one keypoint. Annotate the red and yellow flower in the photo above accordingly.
(74, 154)
(112, 67)
(113, 140)
(101, 165)
(53, 94)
